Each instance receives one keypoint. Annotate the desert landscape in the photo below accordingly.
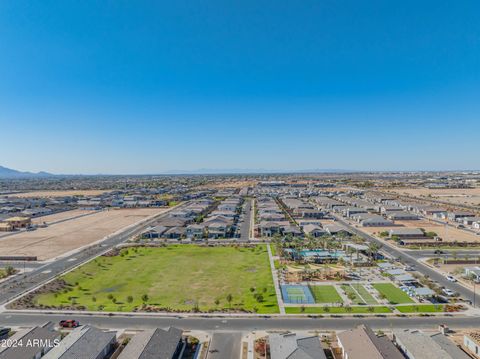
(57, 239)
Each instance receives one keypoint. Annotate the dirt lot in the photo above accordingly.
(61, 216)
(57, 239)
(52, 194)
(450, 235)
(466, 196)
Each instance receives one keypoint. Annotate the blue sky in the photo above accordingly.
(152, 86)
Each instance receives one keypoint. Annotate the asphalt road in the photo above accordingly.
(407, 258)
(18, 285)
(138, 321)
(225, 345)
(446, 253)
(245, 229)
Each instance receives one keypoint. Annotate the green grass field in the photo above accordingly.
(179, 277)
(393, 294)
(352, 294)
(325, 294)
(367, 297)
(420, 308)
(336, 310)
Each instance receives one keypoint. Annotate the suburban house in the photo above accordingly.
(415, 344)
(314, 230)
(402, 216)
(153, 344)
(154, 232)
(350, 211)
(5, 227)
(271, 217)
(270, 228)
(473, 272)
(336, 229)
(468, 221)
(175, 233)
(45, 333)
(218, 227)
(84, 342)
(362, 343)
(404, 233)
(18, 222)
(454, 216)
(312, 213)
(291, 345)
(471, 341)
(195, 231)
(376, 221)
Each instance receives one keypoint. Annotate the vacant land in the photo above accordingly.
(57, 239)
(59, 193)
(61, 216)
(393, 294)
(177, 278)
(449, 234)
(464, 196)
(325, 294)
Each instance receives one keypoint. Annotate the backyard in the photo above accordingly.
(173, 278)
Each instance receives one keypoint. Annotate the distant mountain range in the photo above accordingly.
(10, 173)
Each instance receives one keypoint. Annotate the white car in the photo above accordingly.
(451, 278)
(448, 292)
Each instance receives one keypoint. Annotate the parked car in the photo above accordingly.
(451, 278)
(69, 323)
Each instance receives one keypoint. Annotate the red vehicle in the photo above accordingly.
(69, 323)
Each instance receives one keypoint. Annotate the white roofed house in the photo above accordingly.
(294, 346)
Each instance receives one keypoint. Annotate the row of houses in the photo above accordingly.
(272, 219)
(300, 208)
(201, 219)
(362, 343)
(410, 209)
(86, 342)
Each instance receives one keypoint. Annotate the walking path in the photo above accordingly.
(276, 282)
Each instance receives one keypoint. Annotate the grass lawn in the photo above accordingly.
(369, 299)
(336, 310)
(177, 277)
(351, 293)
(420, 308)
(273, 249)
(393, 294)
(325, 294)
